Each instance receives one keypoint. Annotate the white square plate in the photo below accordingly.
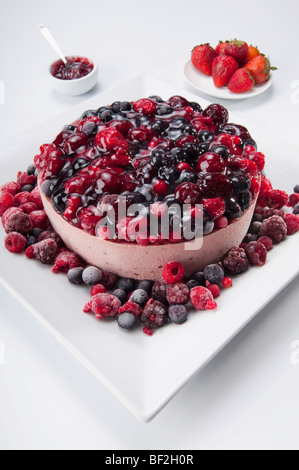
(144, 372)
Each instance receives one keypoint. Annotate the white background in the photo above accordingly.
(247, 398)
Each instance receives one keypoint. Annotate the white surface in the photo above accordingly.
(142, 384)
(206, 85)
(248, 396)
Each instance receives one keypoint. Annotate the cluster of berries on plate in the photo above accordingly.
(146, 303)
(156, 153)
(233, 64)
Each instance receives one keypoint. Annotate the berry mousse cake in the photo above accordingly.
(156, 206)
(169, 158)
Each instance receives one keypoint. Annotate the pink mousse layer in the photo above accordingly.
(147, 262)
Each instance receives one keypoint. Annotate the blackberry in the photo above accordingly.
(159, 291)
(154, 314)
(235, 261)
(256, 253)
(275, 228)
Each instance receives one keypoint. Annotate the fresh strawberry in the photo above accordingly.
(221, 47)
(241, 81)
(223, 68)
(260, 68)
(252, 53)
(238, 50)
(202, 58)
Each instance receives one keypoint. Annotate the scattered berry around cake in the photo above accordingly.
(152, 152)
(233, 64)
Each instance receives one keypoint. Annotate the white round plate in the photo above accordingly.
(205, 84)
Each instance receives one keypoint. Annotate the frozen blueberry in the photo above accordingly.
(146, 285)
(126, 284)
(296, 209)
(27, 188)
(120, 294)
(250, 237)
(140, 297)
(192, 283)
(75, 276)
(31, 241)
(126, 320)
(296, 189)
(255, 227)
(92, 276)
(257, 218)
(36, 232)
(214, 274)
(199, 277)
(177, 314)
(31, 169)
(47, 188)
(208, 227)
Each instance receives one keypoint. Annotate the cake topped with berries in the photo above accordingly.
(152, 155)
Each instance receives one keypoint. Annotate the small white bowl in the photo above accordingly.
(76, 86)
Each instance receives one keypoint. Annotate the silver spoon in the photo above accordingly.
(46, 33)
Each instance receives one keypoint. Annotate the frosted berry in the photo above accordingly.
(45, 251)
(126, 284)
(173, 272)
(120, 294)
(105, 305)
(75, 276)
(139, 296)
(92, 276)
(154, 314)
(256, 253)
(292, 223)
(177, 314)
(18, 222)
(235, 261)
(275, 228)
(15, 242)
(126, 320)
(65, 261)
(293, 200)
(200, 298)
(276, 198)
(214, 274)
(39, 219)
(177, 294)
(132, 307)
(159, 291)
(267, 242)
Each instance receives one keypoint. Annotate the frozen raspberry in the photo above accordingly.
(12, 187)
(35, 197)
(173, 272)
(147, 331)
(275, 228)
(214, 289)
(15, 242)
(159, 291)
(28, 207)
(23, 179)
(97, 289)
(266, 186)
(227, 282)
(104, 305)
(8, 213)
(154, 314)
(276, 199)
(45, 251)
(256, 253)
(266, 213)
(39, 219)
(202, 298)
(18, 222)
(177, 294)
(21, 198)
(6, 199)
(65, 261)
(292, 223)
(145, 106)
(267, 242)
(48, 234)
(235, 261)
(131, 307)
(293, 200)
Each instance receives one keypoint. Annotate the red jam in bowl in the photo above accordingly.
(76, 67)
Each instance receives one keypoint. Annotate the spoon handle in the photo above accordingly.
(46, 33)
